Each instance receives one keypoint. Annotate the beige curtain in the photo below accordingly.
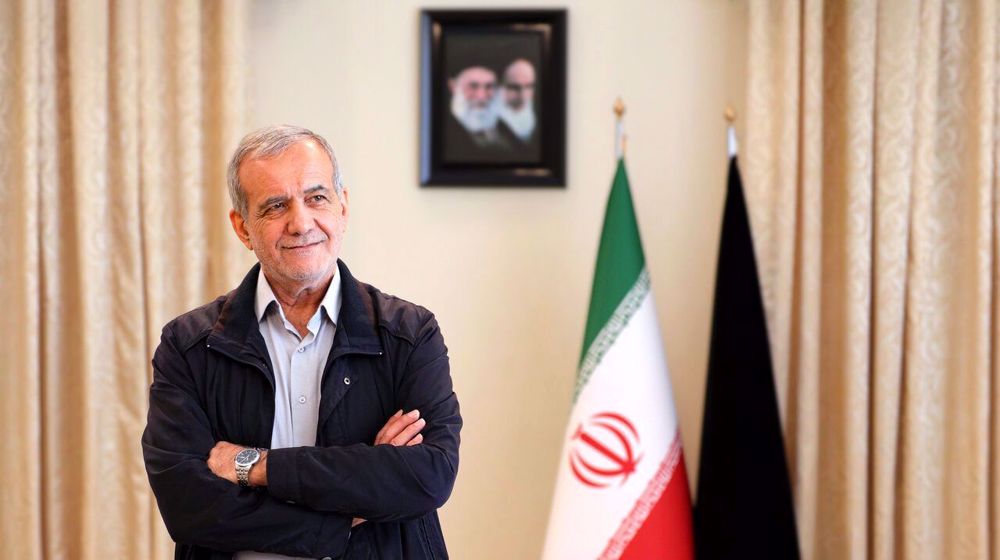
(116, 118)
(871, 161)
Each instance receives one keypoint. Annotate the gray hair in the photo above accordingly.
(269, 142)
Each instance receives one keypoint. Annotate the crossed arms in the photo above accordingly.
(400, 430)
(313, 494)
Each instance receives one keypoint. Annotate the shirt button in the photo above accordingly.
(300, 350)
(347, 381)
(302, 399)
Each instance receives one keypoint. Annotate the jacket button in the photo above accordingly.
(347, 381)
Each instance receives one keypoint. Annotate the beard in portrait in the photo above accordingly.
(516, 105)
(473, 129)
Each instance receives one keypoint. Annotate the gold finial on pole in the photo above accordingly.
(730, 114)
(619, 128)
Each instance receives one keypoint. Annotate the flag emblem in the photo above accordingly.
(604, 450)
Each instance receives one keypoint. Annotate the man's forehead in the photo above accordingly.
(302, 165)
(521, 70)
(477, 73)
(305, 154)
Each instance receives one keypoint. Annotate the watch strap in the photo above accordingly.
(243, 471)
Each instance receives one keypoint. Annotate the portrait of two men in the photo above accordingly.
(493, 110)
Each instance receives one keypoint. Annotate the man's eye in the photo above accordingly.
(319, 198)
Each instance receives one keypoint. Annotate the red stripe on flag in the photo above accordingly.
(659, 525)
(667, 531)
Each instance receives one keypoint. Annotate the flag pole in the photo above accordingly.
(730, 115)
(619, 109)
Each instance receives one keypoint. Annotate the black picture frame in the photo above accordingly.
(459, 51)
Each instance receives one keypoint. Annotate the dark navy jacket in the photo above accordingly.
(212, 381)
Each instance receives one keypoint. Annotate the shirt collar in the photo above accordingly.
(330, 304)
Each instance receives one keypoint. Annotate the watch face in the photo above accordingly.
(247, 456)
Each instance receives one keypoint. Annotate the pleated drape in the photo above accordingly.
(871, 162)
(116, 119)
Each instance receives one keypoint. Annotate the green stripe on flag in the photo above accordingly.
(609, 333)
(619, 259)
(621, 281)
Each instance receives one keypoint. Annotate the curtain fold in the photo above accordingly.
(871, 168)
(115, 122)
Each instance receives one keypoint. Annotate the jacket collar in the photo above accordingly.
(357, 324)
(236, 330)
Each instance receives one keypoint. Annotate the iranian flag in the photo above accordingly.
(622, 491)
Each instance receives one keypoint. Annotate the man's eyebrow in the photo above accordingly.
(272, 200)
(316, 188)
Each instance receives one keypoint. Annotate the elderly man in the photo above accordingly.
(518, 108)
(305, 413)
(473, 130)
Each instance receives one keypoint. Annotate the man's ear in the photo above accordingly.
(345, 208)
(345, 202)
(240, 227)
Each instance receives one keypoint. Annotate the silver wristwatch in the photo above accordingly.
(244, 460)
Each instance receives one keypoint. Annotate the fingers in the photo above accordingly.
(417, 439)
(378, 437)
(397, 425)
(393, 426)
(409, 433)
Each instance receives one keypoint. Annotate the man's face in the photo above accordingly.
(519, 84)
(476, 84)
(295, 221)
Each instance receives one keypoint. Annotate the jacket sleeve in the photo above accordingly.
(383, 482)
(202, 509)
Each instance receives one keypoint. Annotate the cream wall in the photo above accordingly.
(508, 271)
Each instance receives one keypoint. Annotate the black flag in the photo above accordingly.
(744, 503)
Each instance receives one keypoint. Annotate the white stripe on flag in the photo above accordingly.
(630, 379)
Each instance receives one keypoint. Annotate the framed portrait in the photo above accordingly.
(493, 98)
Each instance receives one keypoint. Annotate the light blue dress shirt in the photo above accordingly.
(298, 363)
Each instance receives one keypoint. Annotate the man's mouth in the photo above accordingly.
(305, 246)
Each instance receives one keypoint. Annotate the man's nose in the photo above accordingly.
(483, 94)
(299, 221)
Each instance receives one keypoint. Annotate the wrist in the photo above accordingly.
(258, 472)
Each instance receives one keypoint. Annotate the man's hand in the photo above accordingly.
(400, 430)
(222, 460)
